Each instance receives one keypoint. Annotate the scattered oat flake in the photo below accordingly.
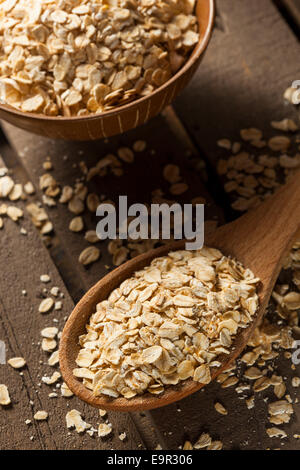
(91, 236)
(279, 143)
(120, 256)
(291, 95)
(48, 344)
(104, 429)
(230, 382)
(29, 188)
(49, 332)
(178, 188)
(215, 445)
(126, 154)
(54, 291)
(280, 390)
(253, 373)
(171, 173)
(203, 441)
(220, 409)
(251, 134)
(286, 125)
(296, 382)
(6, 186)
(17, 362)
(261, 384)
(76, 205)
(276, 432)
(46, 305)
(187, 446)
(280, 407)
(58, 305)
(41, 415)
(89, 255)
(16, 193)
(4, 395)
(51, 380)
(74, 419)
(14, 213)
(76, 224)
(139, 146)
(65, 391)
(53, 359)
(224, 143)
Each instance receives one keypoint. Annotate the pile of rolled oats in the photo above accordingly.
(167, 323)
(76, 57)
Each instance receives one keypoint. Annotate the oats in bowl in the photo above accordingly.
(167, 323)
(78, 57)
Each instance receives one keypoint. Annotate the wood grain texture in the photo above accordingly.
(129, 116)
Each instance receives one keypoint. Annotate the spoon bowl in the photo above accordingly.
(121, 118)
(259, 239)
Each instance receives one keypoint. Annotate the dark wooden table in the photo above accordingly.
(252, 59)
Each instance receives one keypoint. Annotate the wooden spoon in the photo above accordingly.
(259, 239)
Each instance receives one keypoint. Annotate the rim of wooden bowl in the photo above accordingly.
(197, 52)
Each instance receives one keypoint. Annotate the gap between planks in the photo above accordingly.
(290, 10)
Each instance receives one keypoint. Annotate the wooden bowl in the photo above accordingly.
(122, 118)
